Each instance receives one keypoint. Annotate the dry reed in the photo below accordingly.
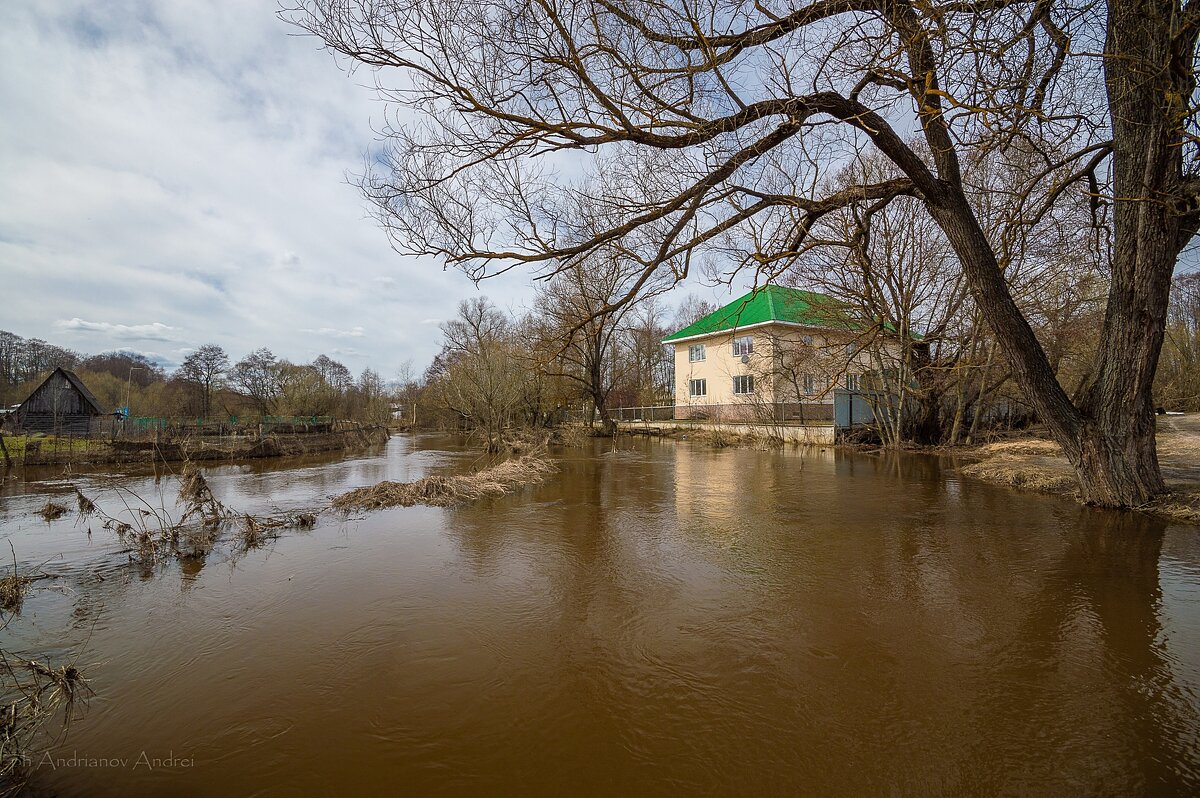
(52, 510)
(32, 693)
(1020, 474)
(439, 491)
(572, 436)
(197, 498)
(1180, 445)
(1020, 448)
(85, 505)
(12, 592)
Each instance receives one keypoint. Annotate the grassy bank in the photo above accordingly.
(51, 450)
(1039, 465)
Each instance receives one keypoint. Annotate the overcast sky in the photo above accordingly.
(174, 174)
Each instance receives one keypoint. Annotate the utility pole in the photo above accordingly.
(128, 382)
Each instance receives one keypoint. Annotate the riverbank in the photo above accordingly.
(727, 434)
(83, 451)
(1037, 464)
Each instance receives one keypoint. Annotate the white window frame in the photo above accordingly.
(809, 383)
(743, 345)
(747, 382)
(852, 382)
(696, 353)
(701, 384)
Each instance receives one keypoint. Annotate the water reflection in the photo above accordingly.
(665, 619)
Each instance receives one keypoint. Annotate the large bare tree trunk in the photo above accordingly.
(608, 426)
(1116, 458)
(1109, 436)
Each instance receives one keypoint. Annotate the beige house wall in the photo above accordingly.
(781, 358)
(718, 369)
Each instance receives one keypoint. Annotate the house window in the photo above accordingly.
(810, 384)
(743, 383)
(743, 345)
(851, 349)
(851, 382)
(695, 353)
(807, 340)
(697, 387)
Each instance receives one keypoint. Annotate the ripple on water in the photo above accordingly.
(663, 619)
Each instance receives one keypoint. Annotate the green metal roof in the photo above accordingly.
(769, 303)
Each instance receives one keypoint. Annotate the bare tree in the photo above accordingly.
(304, 391)
(257, 377)
(204, 369)
(583, 324)
(477, 374)
(652, 374)
(333, 372)
(716, 123)
(372, 399)
(1178, 384)
(692, 309)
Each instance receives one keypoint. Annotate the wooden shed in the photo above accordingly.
(62, 404)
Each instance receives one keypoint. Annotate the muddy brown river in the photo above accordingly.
(657, 619)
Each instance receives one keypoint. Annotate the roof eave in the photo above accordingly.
(731, 330)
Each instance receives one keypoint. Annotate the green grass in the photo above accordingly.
(18, 444)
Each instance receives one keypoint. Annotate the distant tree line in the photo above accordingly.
(576, 355)
(581, 352)
(206, 383)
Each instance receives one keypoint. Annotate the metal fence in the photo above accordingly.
(745, 413)
(151, 426)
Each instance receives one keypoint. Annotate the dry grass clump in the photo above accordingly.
(1029, 463)
(12, 592)
(15, 586)
(764, 440)
(533, 441)
(1021, 474)
(572, 436)
(1027, 447)
(197, 498)
(85, 505)
(52, 510)
(253, 533)
(31, 694)
(718, 438)
(1180, 504)
(256, 530)
(518, 441)
(302, 521)
(1180, 445)
(438, 491)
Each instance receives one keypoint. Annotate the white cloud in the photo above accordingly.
(166, 361)
(207, 190)
(354, 332)
(155, 331)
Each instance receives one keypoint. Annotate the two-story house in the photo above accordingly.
(774, 354)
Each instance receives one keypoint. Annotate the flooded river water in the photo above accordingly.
(658, 619)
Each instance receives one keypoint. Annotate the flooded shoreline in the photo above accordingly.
(656, 618)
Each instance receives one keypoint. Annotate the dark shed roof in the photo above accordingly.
(75, 382)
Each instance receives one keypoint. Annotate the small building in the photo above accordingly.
(62, 404)
(775, 354)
